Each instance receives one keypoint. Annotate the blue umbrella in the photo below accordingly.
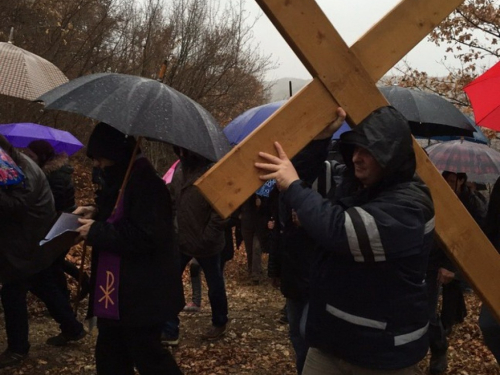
(245, 123)
(343, 128)
(21, 134)
(266, 189)
(248, 121)
(10, 173)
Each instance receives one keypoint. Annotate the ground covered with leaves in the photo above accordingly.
(255, 343)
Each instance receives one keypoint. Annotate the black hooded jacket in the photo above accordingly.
(368, 301)
(26, 214)
(59, 174)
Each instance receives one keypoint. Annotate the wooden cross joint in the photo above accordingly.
(346, 77)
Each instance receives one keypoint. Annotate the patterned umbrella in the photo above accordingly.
(480, 162)
(10, 173)
(26, 75)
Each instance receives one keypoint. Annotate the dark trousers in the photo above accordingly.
(119, 349)
(294, 312)
(437, 337)
(46, 285)
(195, 273)
(453, 309)
(491, 331)
(253, 230)
(212, 269)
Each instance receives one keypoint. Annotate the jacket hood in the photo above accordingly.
(385, 133)
(59, 161)
(110, 143)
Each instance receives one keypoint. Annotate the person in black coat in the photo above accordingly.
(490, 327)
(135, 269)
(24, 266)
(59, 173)
(373, 243)
(442, 275)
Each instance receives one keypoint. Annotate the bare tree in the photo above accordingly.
(209, 51)
(471, 34)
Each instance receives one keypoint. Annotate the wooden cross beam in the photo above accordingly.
(346, 77)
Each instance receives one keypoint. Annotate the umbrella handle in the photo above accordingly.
(163, 69)
(80, 278)
(11, 36)
(127, 174)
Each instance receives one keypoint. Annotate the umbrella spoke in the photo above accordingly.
(142, 107)
(480, 162)
(21, 134)
(429, 114)
(26, 75)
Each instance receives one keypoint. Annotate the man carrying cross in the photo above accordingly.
(368, 309)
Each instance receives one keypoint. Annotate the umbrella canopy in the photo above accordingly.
(483, 95)
(265, 190)
(10, 173)
(429, 114)
(21, 134)
(26, 75)
(248, 121)
(343, 128)
(478, 136)
(480, 162)
(142, 107)
(167, 177)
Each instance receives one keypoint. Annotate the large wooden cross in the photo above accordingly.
(346, 77)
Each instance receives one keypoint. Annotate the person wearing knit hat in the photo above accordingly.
(109, 143)
(136, 279)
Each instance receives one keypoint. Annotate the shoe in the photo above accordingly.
(214, 333)
(63, 340)
(170, 340)
(438, 363)
(85, 288)
(10, 358)
(192, 307)
(283, 319)
(448, 330)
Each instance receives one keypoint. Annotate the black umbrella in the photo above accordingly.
(429, 114)
(142, 107)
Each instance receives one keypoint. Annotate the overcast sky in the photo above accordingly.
(352, 18)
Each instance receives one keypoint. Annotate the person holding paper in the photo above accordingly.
(135, 265)
(59, 171)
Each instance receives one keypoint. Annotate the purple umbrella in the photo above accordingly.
(21, 134)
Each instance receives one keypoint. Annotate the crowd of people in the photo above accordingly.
(354, 253)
